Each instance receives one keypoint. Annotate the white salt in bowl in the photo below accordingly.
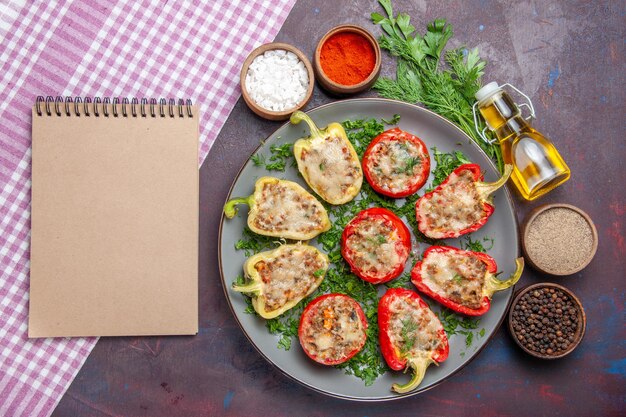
(259, 109)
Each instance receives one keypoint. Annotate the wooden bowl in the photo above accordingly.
(578, 335)
(528, 224)
(341, 89)
(261, 111)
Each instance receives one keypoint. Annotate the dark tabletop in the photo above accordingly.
(569, 57)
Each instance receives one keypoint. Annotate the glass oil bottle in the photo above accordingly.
(537, 166)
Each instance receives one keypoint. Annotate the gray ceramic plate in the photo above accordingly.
(502, 226)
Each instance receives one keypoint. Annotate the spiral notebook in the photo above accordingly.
(114, 223)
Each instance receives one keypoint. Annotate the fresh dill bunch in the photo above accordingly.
(422, 78)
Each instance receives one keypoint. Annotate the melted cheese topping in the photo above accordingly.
(454, 207)
(395, 165)
(282, 208)
(375, 247)
(334, 331)
(413, 330)
(330, 169)
(458, 277)
(289, 276)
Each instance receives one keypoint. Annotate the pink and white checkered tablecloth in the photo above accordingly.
(176, 49)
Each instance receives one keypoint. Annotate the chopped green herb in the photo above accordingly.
(322, 166)
(468, 323)
(455, 324)
(408, 334)
(457, 278)
(252, 243)
(239, 280)
(378, 240)
(284, 342)
(490, 241)
(446, 163)
(411, 163)
(403, 281)
(468, 243)
(403, 146)
(393, 121)
(319, 272)
(361, 132)
(286, 326)
(482, 332)
(277, 161)
(280, 151)
(258, 160)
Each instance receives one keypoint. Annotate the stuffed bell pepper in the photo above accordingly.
(376, 245)
(328, 162)
(396, 163)
(461, 280)
(459, 205)
(278, 279)
(411, 335)
(282, 208)
(332, 329)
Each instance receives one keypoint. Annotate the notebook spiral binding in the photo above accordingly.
(72, 106)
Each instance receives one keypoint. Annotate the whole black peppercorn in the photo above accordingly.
(545, 320)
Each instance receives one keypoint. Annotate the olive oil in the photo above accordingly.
(537, 165)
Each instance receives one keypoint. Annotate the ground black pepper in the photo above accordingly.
(545, 321)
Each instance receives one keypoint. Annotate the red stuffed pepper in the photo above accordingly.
(459, 205)
(332, 329)
(376, 245)
(396, 163)
(461, 280)
(411, 335)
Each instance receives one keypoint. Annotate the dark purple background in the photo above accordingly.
(569, 57)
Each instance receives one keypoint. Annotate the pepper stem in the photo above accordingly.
(418, 366)
(252, 287)
(493, 284)
(230, 208)
(298, 116)
(485, 189)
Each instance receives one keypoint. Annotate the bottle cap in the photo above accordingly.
(487, 91)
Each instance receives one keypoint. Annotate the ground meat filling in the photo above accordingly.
(335, 329)
(455, 207)
(282, 208)
(413, 330)
(375, 248)
(289, 276)
(455, 276)
(331, 168)
(395, 165)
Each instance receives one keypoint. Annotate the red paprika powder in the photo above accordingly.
(347, 58)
